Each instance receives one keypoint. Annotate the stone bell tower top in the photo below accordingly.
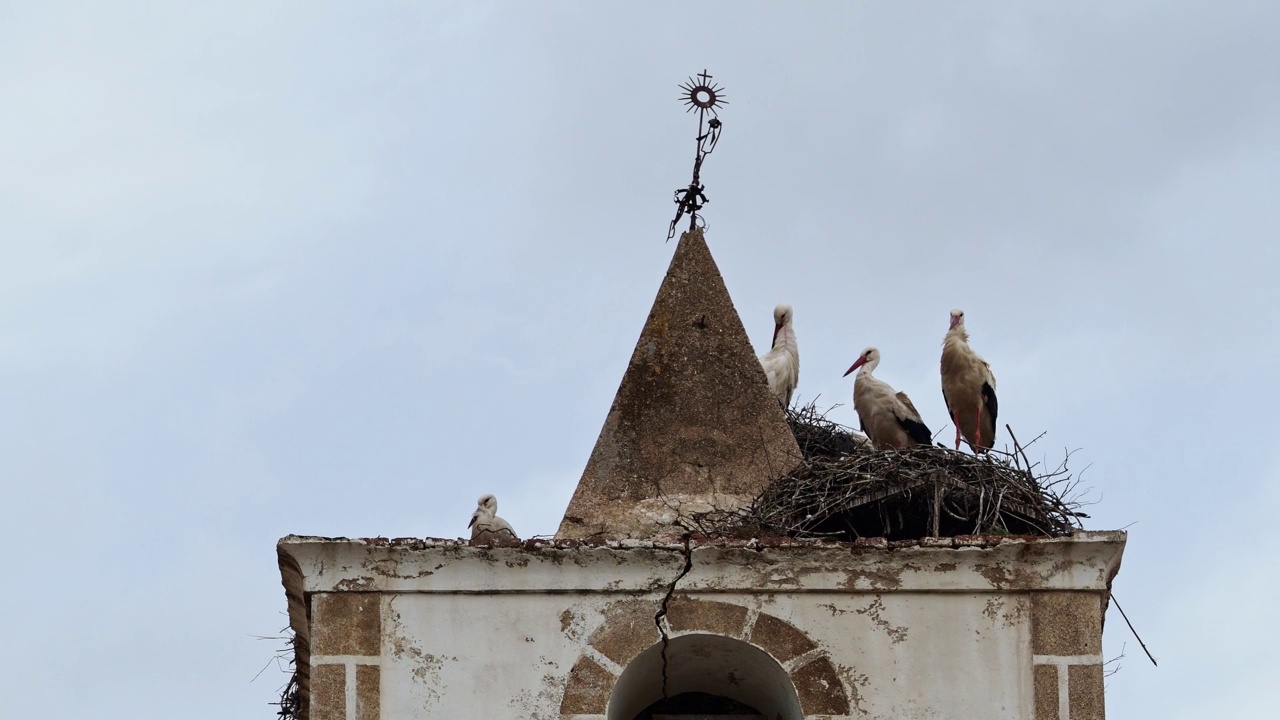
(693, 426)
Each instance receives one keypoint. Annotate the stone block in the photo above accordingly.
(1084, 688)
(329, 692)
(819, 689)
(1066, 623)
(587, 692)
(368, 692)
(348, 623)
(1046, 689)
(781, 639)
(685, 614)
(627, 629)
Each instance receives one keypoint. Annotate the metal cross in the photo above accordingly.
(706, 97)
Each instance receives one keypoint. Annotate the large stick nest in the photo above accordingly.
(846, 489)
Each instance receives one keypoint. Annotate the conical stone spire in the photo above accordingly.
(693, 426)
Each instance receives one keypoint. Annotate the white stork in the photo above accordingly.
(486, 527)
(969, 387)
(887, 417)
(782, 363)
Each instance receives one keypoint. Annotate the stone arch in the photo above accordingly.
(712, 664)
(628, 630)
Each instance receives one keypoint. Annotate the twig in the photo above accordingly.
(1108, 672)
(1018, 447)
(1135, 632)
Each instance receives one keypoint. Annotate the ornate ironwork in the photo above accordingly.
(706, 97)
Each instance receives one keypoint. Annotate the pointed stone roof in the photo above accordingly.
(693, 426)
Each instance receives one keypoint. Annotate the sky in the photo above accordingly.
(339, 268)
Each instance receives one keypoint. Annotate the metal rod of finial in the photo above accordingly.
(706, 97)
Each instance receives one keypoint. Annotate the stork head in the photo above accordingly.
(781, 318)
(486, 506)
(782, 314)
(869, 357)
(957, 318)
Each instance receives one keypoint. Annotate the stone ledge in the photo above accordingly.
(1085, 561)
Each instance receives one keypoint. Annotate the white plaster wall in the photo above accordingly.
(477, 656)
(901, 655)
(478, 633)
(919, 655)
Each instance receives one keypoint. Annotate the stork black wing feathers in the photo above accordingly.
(917, 431)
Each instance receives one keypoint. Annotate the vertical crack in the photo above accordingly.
(662, 610)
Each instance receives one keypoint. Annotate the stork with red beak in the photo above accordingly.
(887, 417)
(969, 387)
(782, 363)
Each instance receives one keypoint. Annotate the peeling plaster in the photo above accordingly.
(426, 667)
(873, 612)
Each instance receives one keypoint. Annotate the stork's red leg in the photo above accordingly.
(955, 420)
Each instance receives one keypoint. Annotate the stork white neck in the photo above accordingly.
(957, 326)
(869, 366)
(784, 336)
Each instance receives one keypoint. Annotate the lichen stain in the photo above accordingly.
(543, 703)
(356, 584)
(387, 567)
(896, 633)
(834, 610)
(994, 607)
(1016, 612)
(1001, 576)
(874, 579)
(855, 681)
(425, 667)
(1016, 573)
(573, 626)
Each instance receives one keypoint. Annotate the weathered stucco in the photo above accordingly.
(693, 425)
(953, 628)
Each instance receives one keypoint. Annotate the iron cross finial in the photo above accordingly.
(706, 97)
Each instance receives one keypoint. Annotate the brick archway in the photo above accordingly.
(628, 629)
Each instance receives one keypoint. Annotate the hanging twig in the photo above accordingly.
(1135, 632)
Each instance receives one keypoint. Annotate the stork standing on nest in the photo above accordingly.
(969, 388)
(782, 363)
(886, 416)
(486, 526)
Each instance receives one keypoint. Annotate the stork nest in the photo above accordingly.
(290, 704)
(846, 489)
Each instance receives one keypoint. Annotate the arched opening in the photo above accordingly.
(701, 705)
(723, 675)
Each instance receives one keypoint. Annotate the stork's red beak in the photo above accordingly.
(857, 364)
(774, 341)
(955, 320)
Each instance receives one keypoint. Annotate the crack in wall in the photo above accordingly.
(662, 609)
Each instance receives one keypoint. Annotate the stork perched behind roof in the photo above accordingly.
(486, 527)
(969, 387)
(782, 363)
(887, 417)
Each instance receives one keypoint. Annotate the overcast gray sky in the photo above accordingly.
(337, 269)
